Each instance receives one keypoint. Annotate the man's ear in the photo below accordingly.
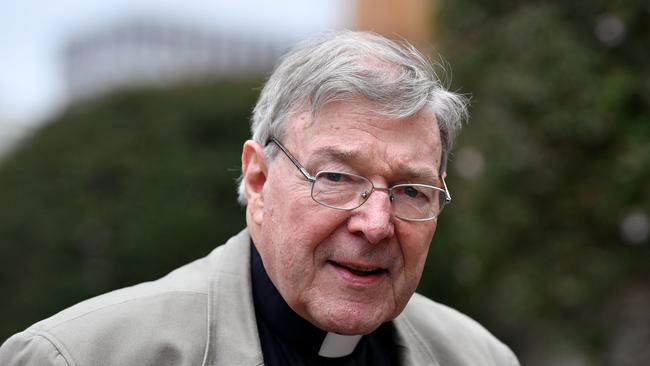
(254, 173)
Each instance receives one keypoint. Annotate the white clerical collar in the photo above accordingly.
(338, 345)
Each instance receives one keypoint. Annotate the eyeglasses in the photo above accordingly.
(346, 191)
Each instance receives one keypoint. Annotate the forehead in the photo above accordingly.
(355, 133)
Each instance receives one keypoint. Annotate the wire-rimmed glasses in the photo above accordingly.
(347, 191)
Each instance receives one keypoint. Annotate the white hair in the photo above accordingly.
(342, 65)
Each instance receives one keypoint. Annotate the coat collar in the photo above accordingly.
(232, 337)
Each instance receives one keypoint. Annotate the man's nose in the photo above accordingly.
(374, 219)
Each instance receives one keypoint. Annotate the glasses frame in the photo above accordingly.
(365, 195)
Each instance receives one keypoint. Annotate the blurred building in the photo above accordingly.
(145, 52)
(137, 53)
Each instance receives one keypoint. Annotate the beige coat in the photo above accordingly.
(202, 314)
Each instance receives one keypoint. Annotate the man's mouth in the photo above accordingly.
(359, 271)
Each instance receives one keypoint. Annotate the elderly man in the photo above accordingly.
(343, 183)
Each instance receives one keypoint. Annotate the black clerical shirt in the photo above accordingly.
(288, 339)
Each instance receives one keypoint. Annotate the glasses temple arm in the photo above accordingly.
(295, 162)
(447, 194)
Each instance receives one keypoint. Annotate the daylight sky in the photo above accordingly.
(33, 32)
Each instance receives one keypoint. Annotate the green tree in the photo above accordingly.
(118, 192)
(548, 233)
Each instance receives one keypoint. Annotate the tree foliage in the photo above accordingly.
(550, 240)
(118, 192)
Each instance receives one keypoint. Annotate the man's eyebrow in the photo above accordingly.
(328, 154)
(350, 156)
(340, 155)
(423, 175)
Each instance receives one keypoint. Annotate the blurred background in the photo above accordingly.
(121, 125)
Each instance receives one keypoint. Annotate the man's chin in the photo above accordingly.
(347, 329)
(347, 324)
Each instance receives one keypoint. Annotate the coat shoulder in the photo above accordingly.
(452, 337)
(154, 321)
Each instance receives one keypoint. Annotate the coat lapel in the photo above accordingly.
(411, 348)
(232, 329)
